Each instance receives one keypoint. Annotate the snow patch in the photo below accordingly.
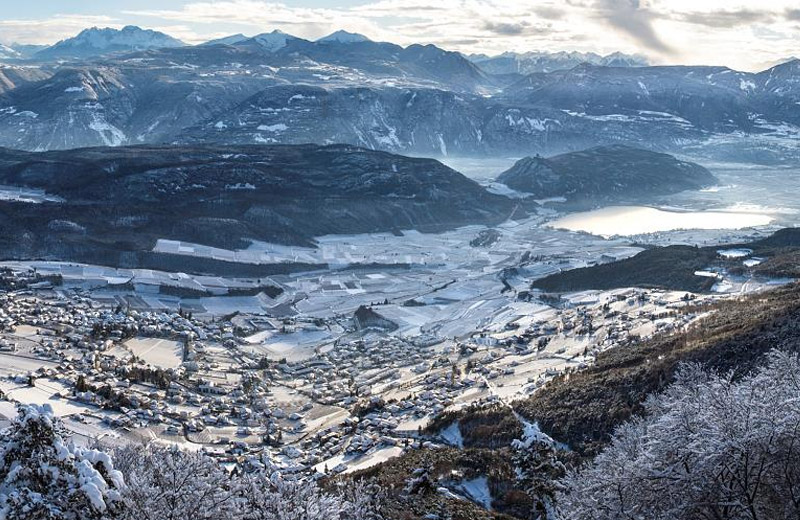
(110, 134)
(478, 491)
(530, 434)
(280, 127)
(240, 186)
(746, 85)
(452, 435)
(735, 253)
(442, 145)
(300, 97)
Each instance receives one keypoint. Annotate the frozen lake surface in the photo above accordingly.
(637, 220)
(746, 189)
(480, 169)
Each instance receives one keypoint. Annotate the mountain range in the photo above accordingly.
(531, 62)
(275, 88)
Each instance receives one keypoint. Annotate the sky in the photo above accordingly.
(742, 35)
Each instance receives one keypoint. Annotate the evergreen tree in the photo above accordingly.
(42, 477)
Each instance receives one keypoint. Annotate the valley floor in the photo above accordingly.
(293, 377)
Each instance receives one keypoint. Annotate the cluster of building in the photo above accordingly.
(365, 394)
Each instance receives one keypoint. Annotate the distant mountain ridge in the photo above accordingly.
(276, 88)
(342, 36)
(226, 40)
(532, 62)
(97, 41)
(24, 51)
(271, 42)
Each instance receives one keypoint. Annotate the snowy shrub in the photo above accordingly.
(273, 498)
(44, 478)
(169, 484)
(270, 497)
(362, 500)
(708, 447)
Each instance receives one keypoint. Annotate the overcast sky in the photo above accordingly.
(743, 35)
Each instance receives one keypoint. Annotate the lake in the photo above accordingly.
(746, 196)
(637, 220)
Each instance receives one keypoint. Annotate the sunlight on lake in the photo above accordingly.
(636, 220)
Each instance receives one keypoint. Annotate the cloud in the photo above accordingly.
(505, 28)
(444, 22)
(50, 30)
(634, 19)
(725, 19)
(549, 13)
(255, 16)
(473, 26)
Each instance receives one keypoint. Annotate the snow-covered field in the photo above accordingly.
(162, 353)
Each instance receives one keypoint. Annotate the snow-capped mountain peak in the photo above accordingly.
(227, 40)
(129, 36)
(274, 40)
(97, 40)
(342, 36)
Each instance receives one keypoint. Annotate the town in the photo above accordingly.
(317, 372)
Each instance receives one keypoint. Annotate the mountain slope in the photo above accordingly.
(226, 40)
(115, 202)
(111, 105)
(8, 53)
(710, 98)
(418, 120)
(12, 77)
